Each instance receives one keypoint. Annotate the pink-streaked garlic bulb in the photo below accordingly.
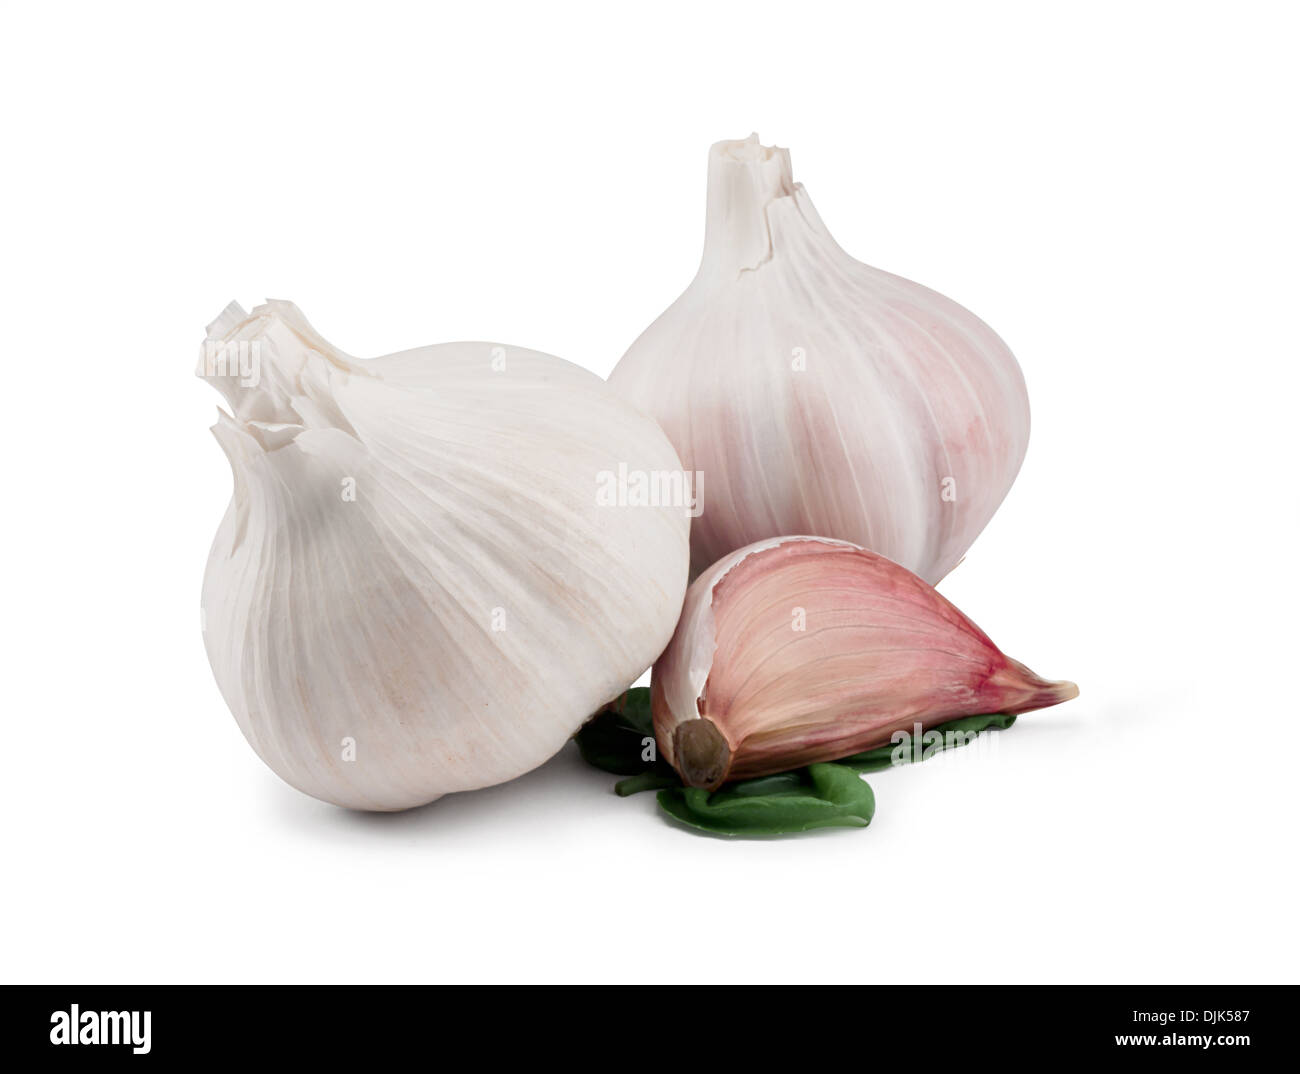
(802, 649)
(815, 394)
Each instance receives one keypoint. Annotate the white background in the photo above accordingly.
(1112, 187)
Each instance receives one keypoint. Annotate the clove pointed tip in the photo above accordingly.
(1023, 691)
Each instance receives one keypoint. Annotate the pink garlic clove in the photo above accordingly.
(802, 649)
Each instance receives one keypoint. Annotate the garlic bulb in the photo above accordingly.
(801, 649)
(819, 395)
(417, 587)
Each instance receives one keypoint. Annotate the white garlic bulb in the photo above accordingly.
(417, 587)
(818, 395)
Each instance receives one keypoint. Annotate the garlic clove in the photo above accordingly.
(820, 395)
(801, 649)
(416, 588)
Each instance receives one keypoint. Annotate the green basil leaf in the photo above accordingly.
(944, 736)
(615, 738)
(633, 707)
(819, 796)
(646, 781)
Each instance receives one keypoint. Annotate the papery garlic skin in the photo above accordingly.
(415, 590)
(820, 395)
(796, 650)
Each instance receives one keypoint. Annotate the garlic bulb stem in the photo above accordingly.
(745, 178)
